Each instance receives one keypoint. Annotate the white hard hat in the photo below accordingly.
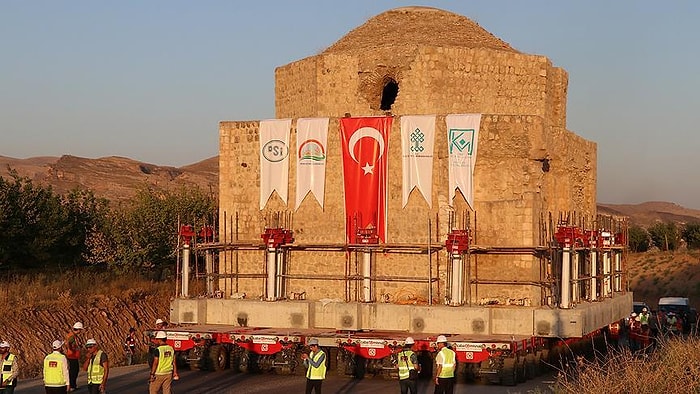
(159, 321)
(161, 335)
(78, 326)
(441, 339)
(409, 341)
(312, 341)
(90, 342)
(4, 344)
(55, 345)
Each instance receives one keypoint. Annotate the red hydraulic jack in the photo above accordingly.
(276, 260)
(457, 245)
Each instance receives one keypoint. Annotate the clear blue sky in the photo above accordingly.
(151, 80)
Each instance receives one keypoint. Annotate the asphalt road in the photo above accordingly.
(133, 379)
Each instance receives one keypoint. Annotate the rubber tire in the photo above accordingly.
(195, 365)
(530, 366)
(521, 370)
(244, 362)
(509, 373)
(218, 357)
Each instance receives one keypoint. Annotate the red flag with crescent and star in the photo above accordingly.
(365, 169)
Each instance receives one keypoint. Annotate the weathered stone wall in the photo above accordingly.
(512, 194)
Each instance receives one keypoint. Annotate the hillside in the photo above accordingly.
(114, 178)
(648, 213)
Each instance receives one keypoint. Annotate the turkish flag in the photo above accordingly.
(365, 168)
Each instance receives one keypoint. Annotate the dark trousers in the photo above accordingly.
(73, 369)
(407, 385)
(93, 388)
(313, 385)
(445, 386)
(56, 390)
(7, 390)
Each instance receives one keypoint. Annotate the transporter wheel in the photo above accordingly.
(545, 362)
(218, 357)
(180, 359)
(194, 358)
(346, 365)
(521, 369)
(244, 362)
(539, 366)
(530, 366)
(509, 372)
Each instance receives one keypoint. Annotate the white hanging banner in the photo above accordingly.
(274, 159)
(417, 142)
(462, 141)
(312, 135)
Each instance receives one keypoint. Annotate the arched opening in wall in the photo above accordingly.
(389, 93)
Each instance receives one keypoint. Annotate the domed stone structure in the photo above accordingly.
(413, 61)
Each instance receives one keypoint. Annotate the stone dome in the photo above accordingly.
(418, 26)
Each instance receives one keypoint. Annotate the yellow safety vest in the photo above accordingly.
(405, 364)
(316, 373)
(166, 357)
(95, 371)
(53, 370)
(448, 363)
(7, 367)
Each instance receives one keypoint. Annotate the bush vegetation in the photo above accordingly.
(47, 231)
(673, 368)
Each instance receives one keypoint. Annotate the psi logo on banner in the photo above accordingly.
(274, 159)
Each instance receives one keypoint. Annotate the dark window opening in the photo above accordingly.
(389, 93)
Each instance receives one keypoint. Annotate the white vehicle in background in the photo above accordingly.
(680, 306)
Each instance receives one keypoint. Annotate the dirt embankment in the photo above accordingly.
(107, 319)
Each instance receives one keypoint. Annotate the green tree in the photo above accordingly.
(144, 232)
(639, 239)
(665, 236)
(691, 234)
(41, 228)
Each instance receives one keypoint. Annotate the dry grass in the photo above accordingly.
(673, 368)
(42, 291)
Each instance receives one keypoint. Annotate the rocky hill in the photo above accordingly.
(118, 178)
(114, 178)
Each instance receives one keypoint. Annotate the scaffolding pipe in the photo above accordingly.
(209, 271)
(271, 264)
(366, 276)
(279, 275)
(430, 264)
(456, 280)
(576, 291)
(618, 271)
(594, 274)
(565, 296)
(607, 284)
(185, 287)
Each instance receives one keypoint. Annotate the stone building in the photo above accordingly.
(412, 61)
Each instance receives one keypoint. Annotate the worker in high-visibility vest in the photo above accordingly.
(164, 368)
(73, 344)
(445, 366)
(408, 368)
(56, 378)
(10, 371)
(315, 363)
(97, 367)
